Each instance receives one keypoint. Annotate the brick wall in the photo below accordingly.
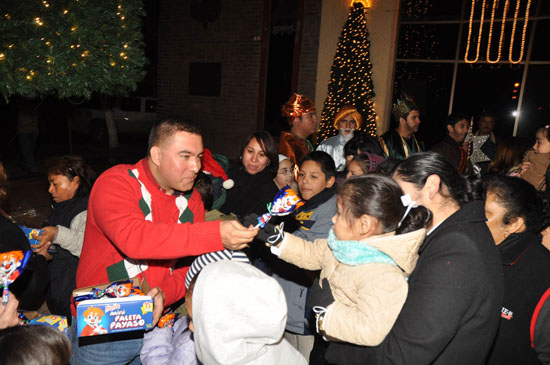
(234, 41)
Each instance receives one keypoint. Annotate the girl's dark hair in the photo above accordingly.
(388, 166)
(363, 161)
(519, 199)
(380, 197)
(72, 166)
(49, 346)
(268, 146)
(324, 160)
(417, 168)
(364, 143)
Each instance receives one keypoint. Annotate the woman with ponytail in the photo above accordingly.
(455, 293)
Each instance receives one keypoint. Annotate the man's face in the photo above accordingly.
(179, 161)
(346, 125)
(412, 123)
(306, 125)
(459, 131)
(486, 125)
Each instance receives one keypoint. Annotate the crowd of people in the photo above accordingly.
(397, 255)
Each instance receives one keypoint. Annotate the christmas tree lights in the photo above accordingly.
(350, 76)
(71, 48)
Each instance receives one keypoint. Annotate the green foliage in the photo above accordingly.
(70, 48)
(350, 76)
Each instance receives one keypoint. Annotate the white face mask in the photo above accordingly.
(347, 133)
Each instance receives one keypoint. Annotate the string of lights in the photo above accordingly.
(502, 34)
(71, 48)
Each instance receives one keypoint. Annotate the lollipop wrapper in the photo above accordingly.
(31, 233)
(285, 202)
(12, 264)
(43, 319)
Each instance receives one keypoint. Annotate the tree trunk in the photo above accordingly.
(110, 123)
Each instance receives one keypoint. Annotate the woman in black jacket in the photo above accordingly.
(253, 176)
(514, 214)
(452, 310)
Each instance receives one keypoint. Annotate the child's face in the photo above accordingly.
(542, 145)
(354, 169)
(312, 180)
(284, 174)
(346, 228)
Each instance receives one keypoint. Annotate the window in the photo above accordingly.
(430, 66)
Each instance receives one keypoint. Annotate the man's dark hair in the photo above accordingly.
(455, 118)
(168, 127)
(486, 114)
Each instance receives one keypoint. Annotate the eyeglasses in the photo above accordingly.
(285, 172)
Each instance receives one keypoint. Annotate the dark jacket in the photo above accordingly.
(392, 145)
(251, 193)
(63, 266)
(452, 310)
(452, 152)
(526, 266)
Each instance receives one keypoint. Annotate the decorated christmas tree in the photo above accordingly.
(70, 48)
(350, 76)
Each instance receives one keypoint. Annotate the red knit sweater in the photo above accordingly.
(116, 228)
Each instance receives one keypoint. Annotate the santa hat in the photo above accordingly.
(211, 167)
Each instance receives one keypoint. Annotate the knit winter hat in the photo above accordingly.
(282, 158)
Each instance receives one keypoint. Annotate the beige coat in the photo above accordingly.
(368, 297)
(536, 173)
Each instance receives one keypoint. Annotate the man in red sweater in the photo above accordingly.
(141, 218)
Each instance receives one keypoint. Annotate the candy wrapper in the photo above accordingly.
(111, 308)
(51, 320)
(31, 234)
(168, 320)
(285, 202)
(12, 265)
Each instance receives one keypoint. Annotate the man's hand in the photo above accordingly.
(236, 236)
(8, 313)
(46, 236)
(158, 303)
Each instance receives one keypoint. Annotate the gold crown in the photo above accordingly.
(402, 107)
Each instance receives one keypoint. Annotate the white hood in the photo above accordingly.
(239, 316)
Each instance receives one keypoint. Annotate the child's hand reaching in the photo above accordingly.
(272, 235)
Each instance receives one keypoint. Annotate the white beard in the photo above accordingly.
(349, 136)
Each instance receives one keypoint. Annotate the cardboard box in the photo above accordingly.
(112, 315)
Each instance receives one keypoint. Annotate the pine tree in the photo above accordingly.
(350, 76)
(70, 48)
